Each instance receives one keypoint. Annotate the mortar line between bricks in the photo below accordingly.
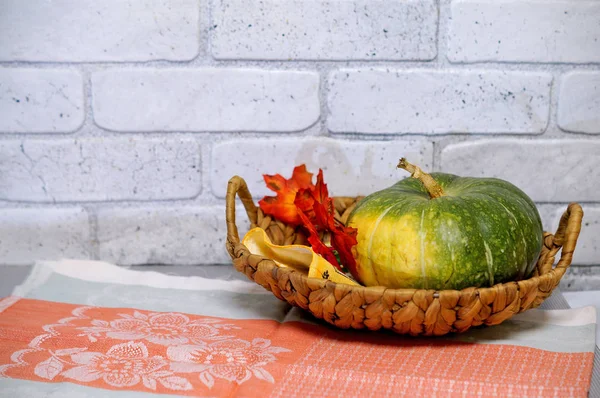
(204, 25)
(324, 74)
(92, 133)
(375, 137)
(307, 64)
(95, 131)
(85, 105)
(444, 15)
(125, 204)
(88, 101)
(554, 97)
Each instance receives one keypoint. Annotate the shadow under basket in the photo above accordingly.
(405, 311)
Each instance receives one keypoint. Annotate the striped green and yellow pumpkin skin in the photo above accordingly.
(483, 231)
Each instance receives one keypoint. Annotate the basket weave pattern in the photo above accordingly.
(405, 311)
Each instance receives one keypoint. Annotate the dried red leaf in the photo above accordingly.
(315, 241)
(302, 177)
(343, 239)
(321, 218)
(276, 182)
(282, 206)
(304, 202)
(321, 194)
(299, 202)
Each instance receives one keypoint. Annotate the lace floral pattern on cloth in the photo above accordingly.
(143, 350)
(158, 328)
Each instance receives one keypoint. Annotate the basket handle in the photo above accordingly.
(567, 233)
(566, 238)
(237, 186)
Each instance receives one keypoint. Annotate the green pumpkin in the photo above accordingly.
(440, 231)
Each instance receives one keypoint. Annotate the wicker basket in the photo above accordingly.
(405, 311)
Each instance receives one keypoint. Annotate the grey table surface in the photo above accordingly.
(11, 276)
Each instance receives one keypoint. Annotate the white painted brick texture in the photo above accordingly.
(99, 169)
(547, 170)
(579, 102)
(40, 100)
(90, 30)
(429, 102)
(162, 235)
(325, 30)
(349, 168)
(205, 100)
(30, 234)
(121, 121)
(524, 31)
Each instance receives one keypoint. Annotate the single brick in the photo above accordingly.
(579, 102)
(524, 31)
(432, 102)
(547, 170)
(28, 235)
(325, 30)
(40, 100)
(162, 235)
(98, 169)
(205, 99)
(350, 168)
(107, 30)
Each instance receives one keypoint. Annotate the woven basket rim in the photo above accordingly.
(533, 289)
(403, 290)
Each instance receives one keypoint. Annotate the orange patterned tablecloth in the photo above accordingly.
(72, 330)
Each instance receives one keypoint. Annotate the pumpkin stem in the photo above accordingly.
(433, 188)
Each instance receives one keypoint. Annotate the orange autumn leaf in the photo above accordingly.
(315, 241)
(343, 239)
(282, 206)
(302, 177)
(306, 198)
(320, 218)
(300, 203)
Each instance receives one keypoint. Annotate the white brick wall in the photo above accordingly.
(325, 30)
(376, 101)
(205, 99)
(579, 102)
(162, 235)
(540, 167)
(90, 30)
(525, 31)
(121, 121)
(99, 169)
(30, 234)
(40, 101)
